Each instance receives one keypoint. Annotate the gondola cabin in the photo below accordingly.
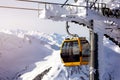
(75, 51)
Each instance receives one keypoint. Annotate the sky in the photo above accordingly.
(29, 20)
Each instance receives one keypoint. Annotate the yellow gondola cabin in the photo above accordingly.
(75, 51)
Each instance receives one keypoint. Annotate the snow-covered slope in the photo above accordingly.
(111, 58)
(31, 55)
(20, 49)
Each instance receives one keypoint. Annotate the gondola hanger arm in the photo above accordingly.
(68, 32)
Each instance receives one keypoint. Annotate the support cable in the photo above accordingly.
(33, 9)
(64, 3)
(93, 4)
(41, 2)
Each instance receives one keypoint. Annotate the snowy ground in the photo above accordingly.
(111, 61)
(33, 55)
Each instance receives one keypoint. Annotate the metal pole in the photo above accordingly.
(94, 75)
(92, 55)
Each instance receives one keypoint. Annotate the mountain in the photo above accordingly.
(32, 55)
(20, 49)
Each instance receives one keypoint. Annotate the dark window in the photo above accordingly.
(70, 51)
(85, 50)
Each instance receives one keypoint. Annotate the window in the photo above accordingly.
(85, 47)
(76, 48)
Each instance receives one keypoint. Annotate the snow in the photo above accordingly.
(17, 53)
(26, 58)
(83, 15)
(58, 13)
(111, 64)
(33, 55)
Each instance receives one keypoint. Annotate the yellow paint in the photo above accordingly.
(80, 46)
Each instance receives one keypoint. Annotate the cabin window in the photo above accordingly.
(70, 51)
(85, 50)
(85, 47)
(76, 49)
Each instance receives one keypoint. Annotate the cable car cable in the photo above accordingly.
(20, 8)
(65, 3)
(93, 4)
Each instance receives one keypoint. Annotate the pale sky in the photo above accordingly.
(29, 20)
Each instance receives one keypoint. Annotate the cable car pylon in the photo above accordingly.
(94, 71)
